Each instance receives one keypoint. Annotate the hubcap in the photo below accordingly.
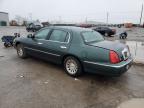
(20, 51)
(71, 66)
(106, 34)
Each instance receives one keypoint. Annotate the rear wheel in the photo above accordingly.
(72, 66)
(20, 51)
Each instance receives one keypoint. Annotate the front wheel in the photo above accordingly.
(20, 51)
(72, 66)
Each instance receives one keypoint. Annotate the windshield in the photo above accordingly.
(92, 36)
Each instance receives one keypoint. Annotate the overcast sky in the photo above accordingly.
(75, 10)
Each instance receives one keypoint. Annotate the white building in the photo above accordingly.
(4, 19)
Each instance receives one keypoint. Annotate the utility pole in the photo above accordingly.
(30, 16)
(141, 15)
(86, 20)
(60, 19)
(107, 20)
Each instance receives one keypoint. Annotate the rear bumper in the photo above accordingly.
(108, 69)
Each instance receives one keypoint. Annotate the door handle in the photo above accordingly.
(63, 47)
(39, 43)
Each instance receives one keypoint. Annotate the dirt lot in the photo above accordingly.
(33, 83)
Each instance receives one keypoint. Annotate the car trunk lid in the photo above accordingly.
(121, 49)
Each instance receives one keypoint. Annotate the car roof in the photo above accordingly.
(71, 28)
(100, 27)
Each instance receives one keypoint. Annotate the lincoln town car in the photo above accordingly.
(77, 49)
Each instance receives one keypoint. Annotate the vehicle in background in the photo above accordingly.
(123, 35)
(85, 25)
(77, 49)
(106, 31)
(33, 27)
(45, 24)
(128, 25)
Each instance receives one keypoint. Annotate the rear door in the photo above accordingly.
(58, 44)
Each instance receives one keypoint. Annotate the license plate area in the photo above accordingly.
(125, 54)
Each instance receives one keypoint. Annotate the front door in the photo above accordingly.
(34, 46)
(49, 44)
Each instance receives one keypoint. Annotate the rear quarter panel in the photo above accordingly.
(86, 52)
(96, 54)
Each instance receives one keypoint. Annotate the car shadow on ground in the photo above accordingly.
(92, 77)
(91, 89)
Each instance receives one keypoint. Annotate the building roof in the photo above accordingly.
(4, 12)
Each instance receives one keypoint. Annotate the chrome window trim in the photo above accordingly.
(42, 51)
(59, 41)
(95, 63)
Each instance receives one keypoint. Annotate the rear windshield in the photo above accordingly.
(92, 36)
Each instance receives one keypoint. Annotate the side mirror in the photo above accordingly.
(30, 36)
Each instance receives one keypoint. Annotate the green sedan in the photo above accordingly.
(78, 49)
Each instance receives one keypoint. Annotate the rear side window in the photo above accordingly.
(59, 36)
(92, 36)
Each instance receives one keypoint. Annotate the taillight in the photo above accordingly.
(114, 58)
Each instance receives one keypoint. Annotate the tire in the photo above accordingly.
(6, 45)
(72, 66)
(125, 36)
(106, 34)
(20, 51)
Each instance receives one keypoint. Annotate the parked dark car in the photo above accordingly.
(33, 27)
(78, 49)
(106, 31)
